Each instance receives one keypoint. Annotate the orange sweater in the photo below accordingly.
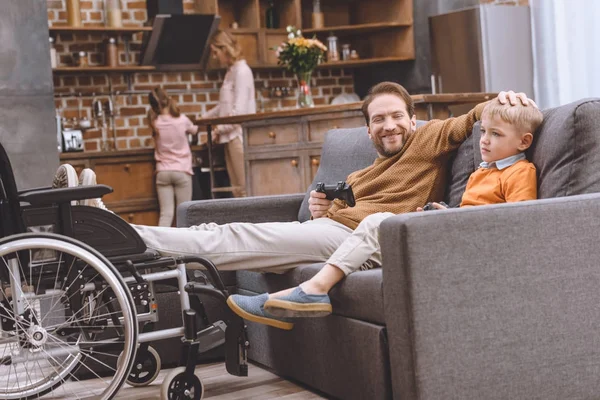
(411, 178)
(491, 185)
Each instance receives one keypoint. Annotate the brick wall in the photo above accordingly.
(130, 124)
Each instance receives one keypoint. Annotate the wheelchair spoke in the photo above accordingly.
(66, 290)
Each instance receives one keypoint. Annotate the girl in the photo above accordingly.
(236, 97)
(172, 153)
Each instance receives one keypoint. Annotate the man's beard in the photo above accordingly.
(379, 146)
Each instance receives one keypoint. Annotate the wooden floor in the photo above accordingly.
(218, 385)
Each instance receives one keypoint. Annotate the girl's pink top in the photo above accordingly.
(172, 152)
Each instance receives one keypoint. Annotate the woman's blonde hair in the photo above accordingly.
(159, 99)
(228, 44)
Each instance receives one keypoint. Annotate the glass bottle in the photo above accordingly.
(345, 52)
(271, 17)
(73, 13)
(112, 14)
(112, 55)
(332, 48)
(53, 59)
(318, 20)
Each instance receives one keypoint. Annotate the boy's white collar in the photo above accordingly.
(504, 163)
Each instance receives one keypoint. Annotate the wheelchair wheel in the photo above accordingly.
(145, 367)
(65, 316)
(177, 385)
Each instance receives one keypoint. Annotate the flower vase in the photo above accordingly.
(305, 99)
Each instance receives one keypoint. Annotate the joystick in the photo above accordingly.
(341, 191)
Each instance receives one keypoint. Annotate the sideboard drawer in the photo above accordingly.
(130, 180)
(149, 218)
(318, 128)
(276, 176)
(273, 134)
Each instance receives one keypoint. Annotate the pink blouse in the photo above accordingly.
(236, 97)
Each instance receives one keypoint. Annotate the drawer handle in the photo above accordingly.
(272, 135)
(127, 167)
(294, 163)
(315, 161)
(130, 217)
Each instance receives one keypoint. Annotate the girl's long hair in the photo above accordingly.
(159, 99)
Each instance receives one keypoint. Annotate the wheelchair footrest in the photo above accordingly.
(211, 337)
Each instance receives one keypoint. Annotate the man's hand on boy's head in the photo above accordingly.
(512, 98)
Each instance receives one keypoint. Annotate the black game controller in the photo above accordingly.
(341, 191)
(429, 206)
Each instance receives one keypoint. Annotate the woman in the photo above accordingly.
(236, 97)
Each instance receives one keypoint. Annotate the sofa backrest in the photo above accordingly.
(566, 150)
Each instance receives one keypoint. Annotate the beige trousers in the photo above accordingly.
(173, 188)
(275, 246)
(234, 160)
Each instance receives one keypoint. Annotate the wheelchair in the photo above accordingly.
(79, 302)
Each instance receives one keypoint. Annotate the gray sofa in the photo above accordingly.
(491, 302)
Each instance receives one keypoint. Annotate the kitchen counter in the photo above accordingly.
(422, 102)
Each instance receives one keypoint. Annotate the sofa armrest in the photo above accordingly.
(281, 208)
(480, 297)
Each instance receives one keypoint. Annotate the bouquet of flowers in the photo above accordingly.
(299, 54)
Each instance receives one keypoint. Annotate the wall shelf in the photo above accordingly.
(104, 69)
(98, 29)
(359, 28)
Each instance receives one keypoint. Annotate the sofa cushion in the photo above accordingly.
(464, 163)
(344, 151)
(566, 150)
(358, 296)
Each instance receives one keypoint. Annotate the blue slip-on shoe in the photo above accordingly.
(299, 304)
(251, 308)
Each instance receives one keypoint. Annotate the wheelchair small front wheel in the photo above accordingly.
(178, 385)
(145, 367)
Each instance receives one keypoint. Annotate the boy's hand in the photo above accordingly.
(318, 204)
(436, 206)
(511, 97)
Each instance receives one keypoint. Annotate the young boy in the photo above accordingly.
(505, 175)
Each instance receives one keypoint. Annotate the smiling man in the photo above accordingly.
(409, 172)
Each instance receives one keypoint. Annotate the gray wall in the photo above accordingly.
(27, 128)
(413, 75)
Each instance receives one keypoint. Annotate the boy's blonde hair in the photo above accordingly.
(228, 44)
(526, 119)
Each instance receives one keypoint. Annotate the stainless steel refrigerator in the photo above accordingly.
(486, 48)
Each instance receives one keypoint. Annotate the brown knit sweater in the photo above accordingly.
(410, 178)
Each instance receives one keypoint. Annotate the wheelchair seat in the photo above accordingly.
(104, 231)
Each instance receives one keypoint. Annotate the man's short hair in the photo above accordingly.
(525, 118)
(388, 88)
